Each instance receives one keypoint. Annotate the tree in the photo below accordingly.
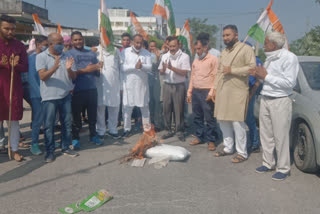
(309, 45)
(198, 25)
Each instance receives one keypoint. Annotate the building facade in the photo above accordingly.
(120, 21)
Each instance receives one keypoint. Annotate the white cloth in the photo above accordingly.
(181, 61)
(15, 135)
(234, 130)
(127, 112)
(135, 81)
(108, 84)
(113, 113)
(275, 122)
(282, 67)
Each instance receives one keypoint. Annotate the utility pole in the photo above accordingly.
(45, 4)
(221, 35)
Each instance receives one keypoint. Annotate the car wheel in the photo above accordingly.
(304, 152)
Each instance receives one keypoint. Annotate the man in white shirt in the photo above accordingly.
(279, 74)
(135, 65)
(174, 66)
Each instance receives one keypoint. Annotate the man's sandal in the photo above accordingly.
(17, 157)
(238, 159)
(221, 154)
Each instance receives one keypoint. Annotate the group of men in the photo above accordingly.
(154, 85)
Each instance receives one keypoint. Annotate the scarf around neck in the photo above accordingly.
(272, 56)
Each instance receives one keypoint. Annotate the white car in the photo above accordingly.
(305, 128)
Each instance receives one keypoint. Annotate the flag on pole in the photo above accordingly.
(267, 22)
(131, 29)
(185, 38)
(106, 34)
(59, 28)
(159, 9)
(38, 25)
(170, 16)
(163, 10)
(138, 27)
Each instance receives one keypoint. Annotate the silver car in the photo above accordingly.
(305, 128)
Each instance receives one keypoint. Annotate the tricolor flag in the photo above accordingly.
(159, 9)
(267, 22)
(185, 38)
(138, 27)
(59, 28)
(106, 34)
(38, 25)
(131, 29)
(163, 8)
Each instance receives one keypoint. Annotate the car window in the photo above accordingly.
(311, 71)
(297, 87)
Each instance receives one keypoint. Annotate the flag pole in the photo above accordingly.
(101, 51)
(10, 105)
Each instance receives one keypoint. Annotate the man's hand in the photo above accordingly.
(56, 62)
(252, 71)
(209, 98)
(139, 64)
(189, 99)
(169, 65)
(99, 65)
(164, 66)
(261, 72)
(226, 70)
(16, 61)
(69, 63)
(213, 96)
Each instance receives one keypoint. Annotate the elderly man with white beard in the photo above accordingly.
(279, 74)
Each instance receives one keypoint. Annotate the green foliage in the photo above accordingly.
(309, 45)
(200, 25)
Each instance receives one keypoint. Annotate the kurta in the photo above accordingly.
(135, 81)
(108, 84)
(232, 90)
(6, 50)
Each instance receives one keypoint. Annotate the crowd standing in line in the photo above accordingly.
(60, 78)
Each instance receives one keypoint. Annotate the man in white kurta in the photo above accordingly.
(135, 65)
(108, 87)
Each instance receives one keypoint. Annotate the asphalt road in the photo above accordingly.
(202, 184)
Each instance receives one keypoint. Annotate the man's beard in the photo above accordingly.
(231, 43)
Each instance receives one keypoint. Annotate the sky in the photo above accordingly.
(297, 16)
